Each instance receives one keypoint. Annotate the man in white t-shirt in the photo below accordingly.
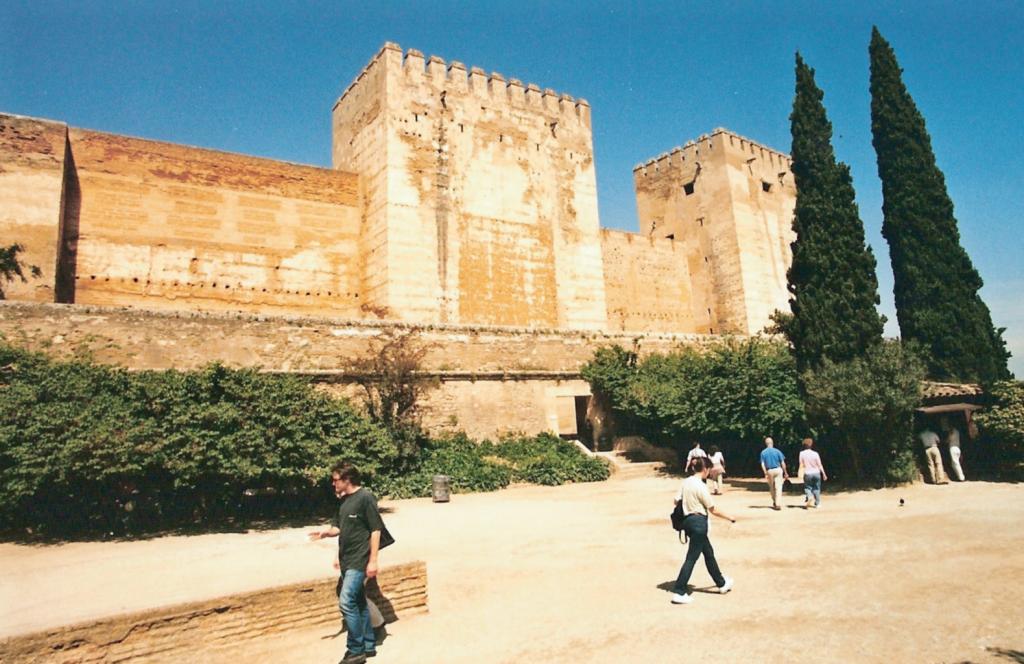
(936, 472)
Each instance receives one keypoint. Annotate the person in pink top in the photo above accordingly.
(813, 472)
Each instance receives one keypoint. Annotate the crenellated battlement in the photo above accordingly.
(455, 77)
(691, 151)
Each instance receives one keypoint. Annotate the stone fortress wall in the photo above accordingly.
(458, 201)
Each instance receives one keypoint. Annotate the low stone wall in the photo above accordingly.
(492, 380)
(184, 632)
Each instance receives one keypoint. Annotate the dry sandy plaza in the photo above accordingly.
(582, 573)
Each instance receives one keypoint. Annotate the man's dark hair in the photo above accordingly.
(347, 471)
(699, 464)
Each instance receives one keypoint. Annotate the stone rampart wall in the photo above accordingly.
(646, 283)
(173, 227)
(31, 187)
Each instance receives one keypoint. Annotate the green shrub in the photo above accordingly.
(90, 448)
(864, 412)
(547, 459)
(1002, 428)
(732, 393)
(485, 466)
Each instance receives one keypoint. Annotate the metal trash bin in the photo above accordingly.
(442, 489)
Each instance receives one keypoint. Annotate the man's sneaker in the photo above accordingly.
(681, 599)
(726, 587)
(353, 658)
(370, 653)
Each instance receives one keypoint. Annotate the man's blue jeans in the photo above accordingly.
(696, 526)
(352, 602)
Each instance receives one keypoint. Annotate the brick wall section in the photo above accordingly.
(646, 283)
(168, 226)
(31, 186)
(184, 632)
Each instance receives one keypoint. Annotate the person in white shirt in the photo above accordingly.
(697, 503)
(936, 472)
(695, 452)
(953, 440)
(717, 470)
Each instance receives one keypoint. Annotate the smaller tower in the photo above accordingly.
(730, 201)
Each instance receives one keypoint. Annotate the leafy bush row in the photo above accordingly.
(88, 448)
(734, 393)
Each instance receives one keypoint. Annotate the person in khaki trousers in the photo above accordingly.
(773, 465)
(953, 440)
(936, 472)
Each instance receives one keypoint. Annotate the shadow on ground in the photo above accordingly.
(669, 587)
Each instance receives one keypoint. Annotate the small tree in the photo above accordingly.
(390, 374)
(12, 268)
(864, 408)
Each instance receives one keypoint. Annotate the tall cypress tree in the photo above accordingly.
(832, 278)
(936, 285)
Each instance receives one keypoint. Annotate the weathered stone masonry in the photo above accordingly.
(460, 201)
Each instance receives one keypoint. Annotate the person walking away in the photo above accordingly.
(697, 504)
(695, 452)
(357, 526)
(953, 440)
(930, 440)
(773, 465)
(813, 472)
(717, 470)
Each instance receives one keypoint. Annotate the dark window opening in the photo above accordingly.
(670, 236)
(688, 188)
(766, 186)
(700, 220)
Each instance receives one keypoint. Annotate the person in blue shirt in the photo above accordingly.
(773, 465)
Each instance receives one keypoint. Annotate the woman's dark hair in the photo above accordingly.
(699, 464)
(714, 450)
(808, 443)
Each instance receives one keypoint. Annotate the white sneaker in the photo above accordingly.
(681, 599)
(727, 587)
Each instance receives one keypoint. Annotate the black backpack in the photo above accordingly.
(678, 519)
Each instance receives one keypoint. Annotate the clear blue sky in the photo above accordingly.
(260, 78)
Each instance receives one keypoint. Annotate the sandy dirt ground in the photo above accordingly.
(582, 574)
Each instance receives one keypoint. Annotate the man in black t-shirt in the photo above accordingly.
(357, 526)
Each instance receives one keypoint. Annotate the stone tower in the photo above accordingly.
(479, 194)
(730, 202)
